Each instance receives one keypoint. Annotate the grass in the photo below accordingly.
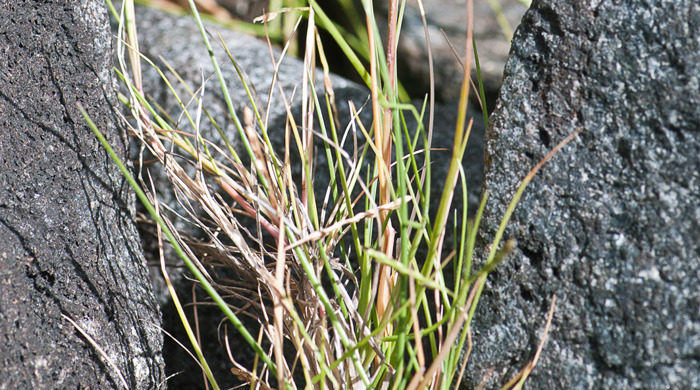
(335, 276)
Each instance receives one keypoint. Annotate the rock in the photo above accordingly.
(492, 41)
(69, 245)
(246, 10)
(611, 224)
(494, 22)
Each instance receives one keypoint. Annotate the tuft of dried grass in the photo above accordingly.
(381, 319)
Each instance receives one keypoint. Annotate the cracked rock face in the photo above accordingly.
(68, 241)
(611, 224)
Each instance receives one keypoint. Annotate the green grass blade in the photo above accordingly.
(188, 262)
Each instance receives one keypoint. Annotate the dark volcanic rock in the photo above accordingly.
(68, 242)
(611, 224)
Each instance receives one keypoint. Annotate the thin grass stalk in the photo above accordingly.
(461, 137)
(132, 39)
(480, 81)
(278, 337)
(339, 38)
(178, 306)
(459, 264)
(332, 115)
(307, 104)
(381, 126)
(431, 97)
(502, 20)
(222, 81)
(464, 283)
(420, 355)
(391, 121)
(178, 249)
(99, 350)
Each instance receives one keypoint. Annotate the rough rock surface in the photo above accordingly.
(611, 224)
(68, 242)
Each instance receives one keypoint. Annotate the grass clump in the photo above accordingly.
(335, 277)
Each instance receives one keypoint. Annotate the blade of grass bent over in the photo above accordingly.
(188, 262)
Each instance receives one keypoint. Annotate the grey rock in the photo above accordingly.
(492, 41)
(494, 22)
(68, 241)
(246, 10)
(611, 224)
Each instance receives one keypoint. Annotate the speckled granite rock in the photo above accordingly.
(611, 224)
